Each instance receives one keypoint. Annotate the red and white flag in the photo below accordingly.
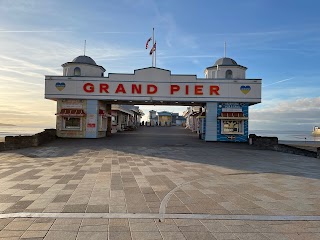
(154, 48)
(147, 43)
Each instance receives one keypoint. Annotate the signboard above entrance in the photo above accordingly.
(153, 85)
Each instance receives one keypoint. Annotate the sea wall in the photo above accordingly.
(16, 142)
(271, 143)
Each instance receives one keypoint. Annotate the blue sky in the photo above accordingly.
(279, 41)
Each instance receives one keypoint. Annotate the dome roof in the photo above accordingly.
(225, 62)
(84, 59)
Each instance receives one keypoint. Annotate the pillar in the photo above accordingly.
(211, 121)
(109, 120)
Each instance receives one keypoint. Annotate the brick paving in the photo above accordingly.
(132, 172)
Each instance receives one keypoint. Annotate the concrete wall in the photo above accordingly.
(271, 143)
(16, 142)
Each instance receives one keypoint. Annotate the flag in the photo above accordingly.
(154, 48)
(147, 43)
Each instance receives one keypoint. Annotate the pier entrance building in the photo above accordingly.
(84, 97)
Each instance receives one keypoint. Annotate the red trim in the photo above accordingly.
(71, 113)
(232, 114)
(103, 113)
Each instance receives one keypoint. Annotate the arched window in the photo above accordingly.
(77, 71)
(228, 74)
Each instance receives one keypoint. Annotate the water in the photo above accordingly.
(16, 130)
(299, 136)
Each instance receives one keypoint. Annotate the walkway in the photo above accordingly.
(120, 187)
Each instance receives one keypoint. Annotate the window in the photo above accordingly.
(114, 120)
(77, 72)
(232, 126)
(72, 123)
(102, 123)
(228, 74)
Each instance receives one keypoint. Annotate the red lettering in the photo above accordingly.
(198, 89)
(104, 88)
(120, 88)
(88, 87)
(151, 89)
(174, 88)
(187, 89)
(136, 88)
(214, 90)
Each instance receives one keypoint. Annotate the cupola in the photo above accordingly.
(226, 68)
(82, 66)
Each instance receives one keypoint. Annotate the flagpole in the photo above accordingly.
(152, 46)
(155, 57)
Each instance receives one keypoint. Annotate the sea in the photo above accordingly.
(18, 130)
(298, 136)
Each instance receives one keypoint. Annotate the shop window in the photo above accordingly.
(114, 120)
(228, 74)
(232, 126)
(102, 123)
(72, 123)
(77, 72)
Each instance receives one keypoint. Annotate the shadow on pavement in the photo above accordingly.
(176, 143)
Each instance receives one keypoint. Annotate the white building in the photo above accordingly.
(84, 98)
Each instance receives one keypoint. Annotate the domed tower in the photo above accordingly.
(82, 66)
(226, 68)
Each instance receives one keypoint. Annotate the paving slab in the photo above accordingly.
(139, 177)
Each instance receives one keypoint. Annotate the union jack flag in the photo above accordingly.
(147, 43)
(154, 48)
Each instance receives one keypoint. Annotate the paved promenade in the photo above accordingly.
(157, 183)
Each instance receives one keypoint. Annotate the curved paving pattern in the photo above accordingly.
(132, 172)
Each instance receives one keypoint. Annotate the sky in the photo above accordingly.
(278, 41)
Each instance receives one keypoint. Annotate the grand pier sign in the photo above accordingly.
(153, 86)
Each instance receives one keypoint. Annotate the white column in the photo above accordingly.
(211, 121)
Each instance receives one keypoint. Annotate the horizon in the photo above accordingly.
(267, 37)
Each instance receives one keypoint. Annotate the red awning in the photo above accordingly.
(232, 114)
(71, 113)
(103, 113)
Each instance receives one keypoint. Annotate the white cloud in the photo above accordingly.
(299, 114)
(280, 81)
